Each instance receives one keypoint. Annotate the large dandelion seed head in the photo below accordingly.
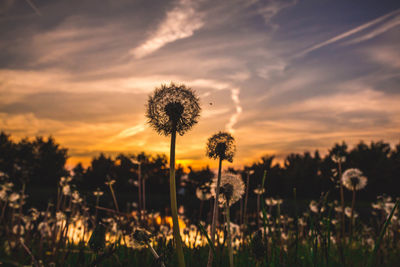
(353, 179)
(231, 188)
(221, 146)
(173, 108)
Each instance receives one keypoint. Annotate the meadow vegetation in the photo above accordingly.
(340, 209)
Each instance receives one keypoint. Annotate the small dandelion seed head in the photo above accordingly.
(98, 192)
(173, 108)
(221, 146)
(231, 188)
(203, 193)
(259, 190)
(353, 179)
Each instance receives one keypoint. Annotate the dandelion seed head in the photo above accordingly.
(173, 108)
(98, 192)
(353, 179)
(233, 188)
(221, 146)
(203, 193)
(259, 190)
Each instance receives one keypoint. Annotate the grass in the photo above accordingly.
(294, 238)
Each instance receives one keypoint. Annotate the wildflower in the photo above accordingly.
(98, 192)
(65, 181)
(76, 197)
(66, 189)
(352, 179)
(271, 201)
(232, 188)
(34, 214)
(221, 146)
(203, 193)
(13, 197)
(315, 207)
(44, 229)
(173, 108)
(3, 195)
(259, 190)
(348, 211)
(338, 159)
(110, 182)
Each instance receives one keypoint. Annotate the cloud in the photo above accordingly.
(180, 22)
(381, 29)
(132, 130)
(238, 110)
(270, 9)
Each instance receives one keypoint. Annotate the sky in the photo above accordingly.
(281, 76)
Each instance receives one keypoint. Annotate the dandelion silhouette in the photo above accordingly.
(232, 189)
(353, 180)
(173, 109)
(220, 146)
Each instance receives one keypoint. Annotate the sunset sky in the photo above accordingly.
(281, 76)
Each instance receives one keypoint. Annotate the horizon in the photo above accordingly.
(281, 76)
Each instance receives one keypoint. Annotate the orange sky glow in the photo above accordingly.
(281, 76)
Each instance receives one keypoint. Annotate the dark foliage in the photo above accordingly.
(40, 163)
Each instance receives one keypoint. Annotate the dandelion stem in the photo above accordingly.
(230, 249)
(114, 198)
(341, 196)
(140, 191)
(215, 214)
(174, 209)
(352, 212)
(246, 197)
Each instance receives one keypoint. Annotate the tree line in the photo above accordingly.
(41, 162)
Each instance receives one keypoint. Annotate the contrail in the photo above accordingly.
(232, 121)
(349, 33)
(34, 7)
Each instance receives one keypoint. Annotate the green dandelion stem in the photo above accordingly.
(215, 213)
(174, 209)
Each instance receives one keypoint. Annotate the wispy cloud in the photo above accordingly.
(180, 22)
(270, 9)
(381, 29)
(238, 110)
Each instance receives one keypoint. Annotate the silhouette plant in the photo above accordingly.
(173, 109)
(220, 146)
(353, 180)
(232, 189)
